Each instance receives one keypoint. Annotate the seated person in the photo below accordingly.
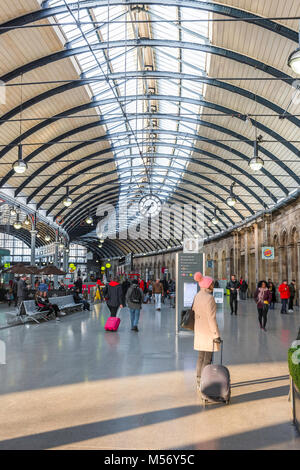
(43, 305)
(61, 285)
(79, 300)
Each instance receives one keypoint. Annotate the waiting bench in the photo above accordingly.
(29, 310)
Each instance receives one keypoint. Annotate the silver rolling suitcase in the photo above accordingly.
(215, 383)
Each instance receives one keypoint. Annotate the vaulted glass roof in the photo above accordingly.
(144, 106)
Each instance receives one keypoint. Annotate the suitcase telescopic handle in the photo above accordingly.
(221, 351)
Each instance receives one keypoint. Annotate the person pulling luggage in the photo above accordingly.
(206, 331)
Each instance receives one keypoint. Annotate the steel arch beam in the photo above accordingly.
(195, 149)
(108, 195)
(197, 162)
(106, 137)
(178, 146)
(206, 48)
(224, 10)
(112, 200)
(187, 172)
(197, 185)
(155, 75)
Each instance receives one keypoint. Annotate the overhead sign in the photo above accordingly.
(191, 245)
(210, 263)
(268, 252)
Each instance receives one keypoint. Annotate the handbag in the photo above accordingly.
(188, 319)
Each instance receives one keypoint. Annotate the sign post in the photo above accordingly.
(187, 264)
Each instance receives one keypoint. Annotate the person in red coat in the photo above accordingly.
(285, 294)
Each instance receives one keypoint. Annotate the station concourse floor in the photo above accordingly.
(71, 385)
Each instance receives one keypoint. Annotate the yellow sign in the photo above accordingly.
(108, 265)
(103, 268)
(7, 265)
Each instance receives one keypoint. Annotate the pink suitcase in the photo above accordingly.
(112, 324)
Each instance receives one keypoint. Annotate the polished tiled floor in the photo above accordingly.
(71, 385)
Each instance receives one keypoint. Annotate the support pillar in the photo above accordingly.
(32, 253)
(280, 261)
(256, 246)
(246, 243)
(290, 262)
(56, 264)
(298, 272)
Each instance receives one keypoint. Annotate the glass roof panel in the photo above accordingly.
(144, 114)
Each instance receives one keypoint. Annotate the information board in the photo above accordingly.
(187, 264)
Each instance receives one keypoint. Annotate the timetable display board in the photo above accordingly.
(187, 264)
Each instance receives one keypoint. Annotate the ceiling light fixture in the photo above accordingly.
(231, 200)
(17, 224)
(67, 202)
(20, 166)
(294, 58)
(215, 219)
(89, 219)
(256, 163)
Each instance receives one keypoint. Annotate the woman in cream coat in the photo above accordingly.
(207, 335)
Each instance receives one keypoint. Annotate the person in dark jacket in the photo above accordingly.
(233, 285)
(243, 288)
(15, 290)
(78, 284)
(22, 290)
(134, 300)
(125, 286)
(78, 299)
(114, 296)
(263, 297)
(272, 289)
(43, 304)
(292, 287)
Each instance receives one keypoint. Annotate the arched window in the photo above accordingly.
(19, 251)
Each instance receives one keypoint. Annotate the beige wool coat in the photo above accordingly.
(206, 327)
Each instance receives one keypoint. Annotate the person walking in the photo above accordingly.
(114, 296)
(243, 288)
(272, 289)
(158, 291)
(206, 332)
(284, 295)
(292, 287)
(134, 300)
(263, 297)
(233, 285)
(125, 286)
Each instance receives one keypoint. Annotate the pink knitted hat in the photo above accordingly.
(204, 281)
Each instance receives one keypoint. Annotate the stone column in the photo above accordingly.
(290, 261)
(298, 271)
(228, 268)
(235, 248)
(246, 243)
(256, 246)
(56, 264)
(32, 254)
(65, 260)
(280, 260)
(267, 262)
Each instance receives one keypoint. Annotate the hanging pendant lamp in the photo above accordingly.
(231, 200)
(67, 202)
(256, 163)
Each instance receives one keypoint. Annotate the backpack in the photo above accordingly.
(135, 296)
